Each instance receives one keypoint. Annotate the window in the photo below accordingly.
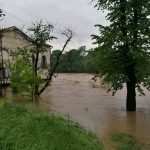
(43, 62)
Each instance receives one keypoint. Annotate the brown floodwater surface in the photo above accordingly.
(90, 105)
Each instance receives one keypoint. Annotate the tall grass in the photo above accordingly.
(128, 142)
(24, 129)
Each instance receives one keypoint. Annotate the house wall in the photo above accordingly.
(12, 40)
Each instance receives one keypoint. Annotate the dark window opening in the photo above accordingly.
(43, 62)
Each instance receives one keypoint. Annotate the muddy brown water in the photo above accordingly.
(95, 109)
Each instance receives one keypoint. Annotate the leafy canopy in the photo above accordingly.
(41, 34)
(22, 75)
(124, 42)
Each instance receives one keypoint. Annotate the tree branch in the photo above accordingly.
(69, 34)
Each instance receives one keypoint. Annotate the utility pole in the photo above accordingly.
(2, 70)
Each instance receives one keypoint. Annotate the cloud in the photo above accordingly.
(78, 14)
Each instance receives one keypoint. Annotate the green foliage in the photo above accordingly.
(25, 77)
(1, 14)
(74, 61)
(123, 53)
(25, 54)
(128, 142)
(22, 76)
(41, 34)
(24, 129)
(2, 103)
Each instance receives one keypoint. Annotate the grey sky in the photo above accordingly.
(78, 14)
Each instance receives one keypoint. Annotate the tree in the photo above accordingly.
(68, 34)
(41, 34)
(26, 70)
(61, 65)
(1, 14)
(74, 61)
(89, 63)
(123, 53)
(23, 77)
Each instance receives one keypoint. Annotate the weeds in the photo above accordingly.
(128, 142)
(24, 129)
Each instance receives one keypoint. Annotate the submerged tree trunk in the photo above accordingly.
(131, 88)
(131, 96)
(131, 84)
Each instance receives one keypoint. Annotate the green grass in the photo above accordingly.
(25, 129)
(128, 142)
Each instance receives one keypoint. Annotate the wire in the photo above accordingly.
(12, 14)
(27, 12)
(18, 18)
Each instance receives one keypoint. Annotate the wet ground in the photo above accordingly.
(90, 105)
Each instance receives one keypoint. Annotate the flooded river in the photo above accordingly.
(93, 108)
(96, 110)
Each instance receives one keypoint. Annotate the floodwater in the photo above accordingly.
(90, 105)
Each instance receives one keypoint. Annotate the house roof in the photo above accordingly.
(14, 28)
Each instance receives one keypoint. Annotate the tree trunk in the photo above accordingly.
(131, 83)
(131, 96)
(36, 88)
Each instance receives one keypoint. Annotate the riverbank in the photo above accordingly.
(96, 109)
(24, 129)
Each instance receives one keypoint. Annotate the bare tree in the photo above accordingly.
(68, 33)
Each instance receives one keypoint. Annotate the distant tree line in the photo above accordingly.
(74, 61)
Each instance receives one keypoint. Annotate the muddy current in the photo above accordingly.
(90, 105)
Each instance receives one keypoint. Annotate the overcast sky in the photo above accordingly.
(78, 14)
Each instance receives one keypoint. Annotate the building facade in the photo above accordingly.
(13, 38)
